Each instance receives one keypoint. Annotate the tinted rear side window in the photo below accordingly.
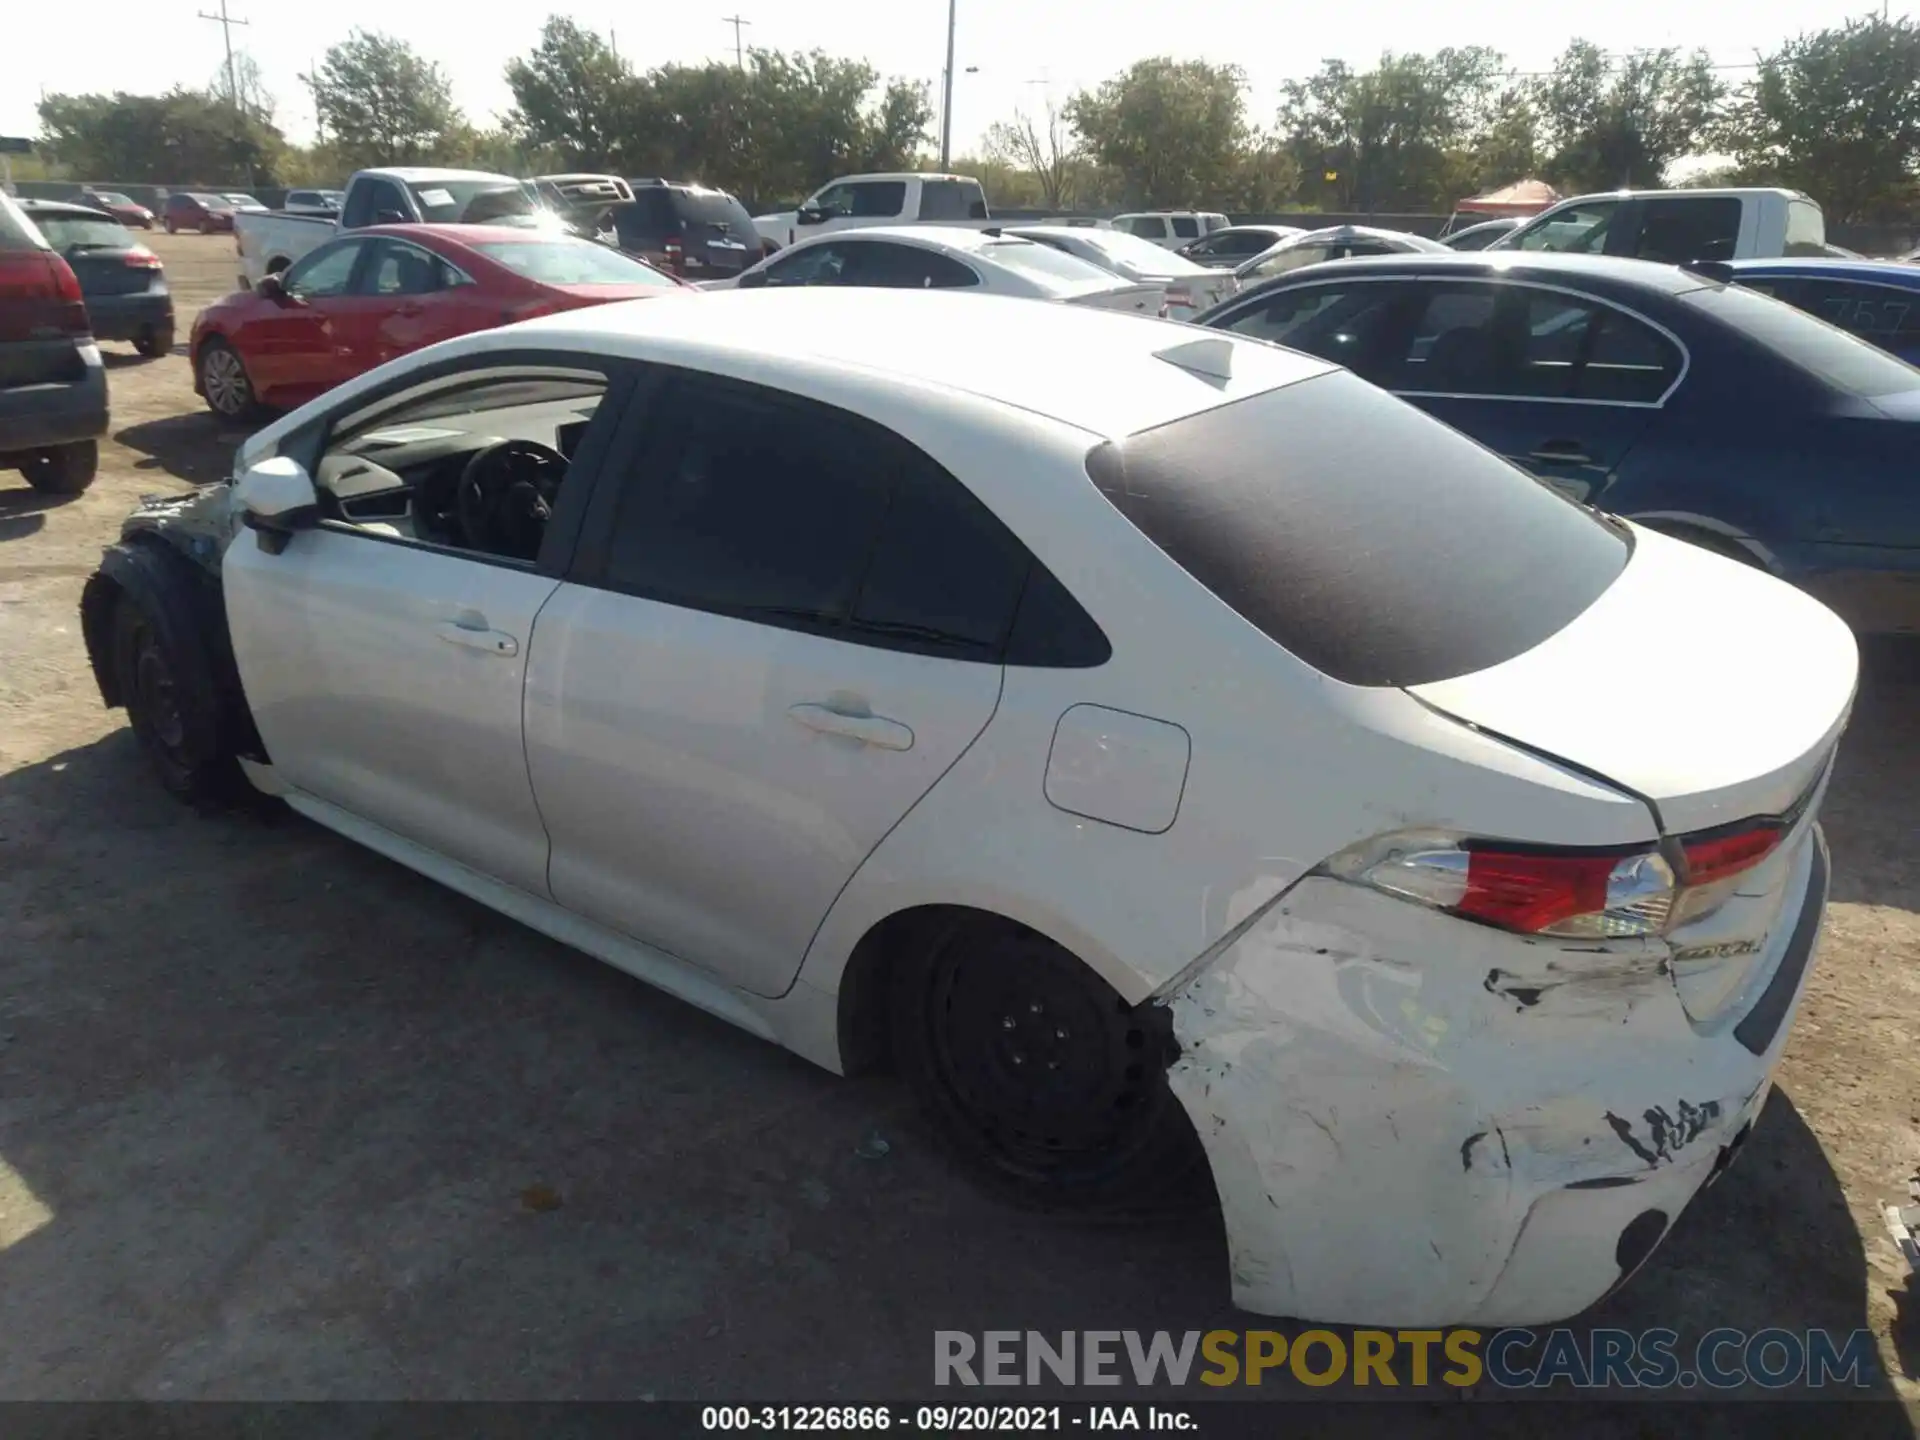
(951, 200)
(1373, 542)
(1674, 231)
(1847, 364)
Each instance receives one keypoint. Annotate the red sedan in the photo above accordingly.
(360, 300)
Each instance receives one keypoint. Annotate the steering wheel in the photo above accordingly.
(506, 495)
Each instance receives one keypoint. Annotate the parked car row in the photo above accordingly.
(53, 385)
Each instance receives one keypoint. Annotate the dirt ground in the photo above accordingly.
(280, 1119)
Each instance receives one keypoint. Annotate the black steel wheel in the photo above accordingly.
(164, 678)
(1039, 1074)
(64, 469)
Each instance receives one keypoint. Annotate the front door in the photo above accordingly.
(783, 630)
(292, 344)
(384, 655)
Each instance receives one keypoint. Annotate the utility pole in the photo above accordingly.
(226, 23)
(946, 91)
(739, 50)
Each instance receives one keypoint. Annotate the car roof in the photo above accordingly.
(1610, 270)
(64, 207)
(1355, 232)
(998, 348)
(1889, 272)
(931, 237)
(426, 174)
(466, 234)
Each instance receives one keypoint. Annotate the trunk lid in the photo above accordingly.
(1128, 299)
(1712, 690)
(128, 271)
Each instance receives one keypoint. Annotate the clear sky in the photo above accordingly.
(1023, 49)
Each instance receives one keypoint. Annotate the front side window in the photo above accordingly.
(1343, 325)
(815, 265)
(389, 205)
(783, 511)
(1186, 227)
(473, 462)
(1678, 229)
(324, 272)
(1579, 230)
(1373, 542)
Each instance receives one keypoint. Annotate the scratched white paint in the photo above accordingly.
(1393, 1134)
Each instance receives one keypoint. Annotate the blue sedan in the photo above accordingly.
(1878, 300)
(1657, 393)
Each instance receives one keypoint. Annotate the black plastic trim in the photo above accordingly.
(1758, 1027)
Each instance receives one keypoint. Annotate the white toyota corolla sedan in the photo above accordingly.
(1186, 756)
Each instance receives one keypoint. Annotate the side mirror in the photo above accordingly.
(272, 287)
(810, 215)
(389, 217)
(752, 280)
(277, 498)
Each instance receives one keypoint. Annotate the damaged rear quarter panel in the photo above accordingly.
(1385, 1092)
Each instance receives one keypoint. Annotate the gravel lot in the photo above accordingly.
(281, 1119)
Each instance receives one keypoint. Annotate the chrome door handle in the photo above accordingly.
(493, 642)
(874, 730)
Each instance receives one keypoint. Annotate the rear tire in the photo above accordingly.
(224, 382)
(165, 678)
(1039, 1076)
(65, 469)
(154, 343)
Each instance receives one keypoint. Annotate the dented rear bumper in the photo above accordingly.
(1414, 1120)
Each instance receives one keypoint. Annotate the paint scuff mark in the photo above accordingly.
(1667, 1134)
(1466, 1148)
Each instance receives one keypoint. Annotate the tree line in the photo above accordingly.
(1835, 112)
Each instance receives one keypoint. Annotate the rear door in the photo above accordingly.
(783, 627)
(424, 300)
(1560, 384)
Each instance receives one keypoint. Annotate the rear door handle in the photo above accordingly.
(1561, 452)
(874, 730)
(478, 637)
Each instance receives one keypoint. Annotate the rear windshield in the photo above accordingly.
(76, 232)
(572, 262)
(1142, 255)
(1844, 362)
(1053, 268)
(445, 202)
(1370, 540)
(16, 231)
(711, 207)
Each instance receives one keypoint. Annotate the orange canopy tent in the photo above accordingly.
(1523, 197)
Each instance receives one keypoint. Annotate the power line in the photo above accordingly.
(739, 50)
(226, 23)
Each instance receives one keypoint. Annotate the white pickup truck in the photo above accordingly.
(902, 198)
(271, 240)
(1675, 226)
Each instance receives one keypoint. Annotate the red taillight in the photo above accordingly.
(1534, 892)
(1718, 856)
(141, 258)
(675, 255)
(1566, 892)
(73, 305)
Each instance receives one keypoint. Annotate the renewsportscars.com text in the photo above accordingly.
(1511, 1359)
